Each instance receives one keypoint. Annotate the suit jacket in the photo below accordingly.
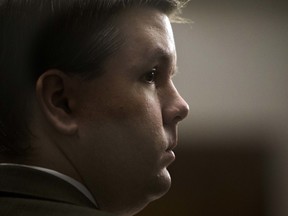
(27, 192)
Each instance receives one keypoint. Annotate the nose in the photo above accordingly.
(175, 108)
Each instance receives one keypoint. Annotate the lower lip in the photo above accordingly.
(170, 156)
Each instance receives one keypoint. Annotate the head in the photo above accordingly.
(86, 89)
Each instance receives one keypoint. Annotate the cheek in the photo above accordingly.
(132, 126)
(124, 141)
(124, 108)
(128, 123)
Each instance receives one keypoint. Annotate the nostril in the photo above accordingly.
(180, 113)
(178, 119)
(181, 117)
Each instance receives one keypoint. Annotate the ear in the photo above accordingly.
(55, 97)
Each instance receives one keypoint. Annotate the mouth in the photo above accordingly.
(169, 152)
(172, 139)
(169, 157)
(172, 143)
(171, 146)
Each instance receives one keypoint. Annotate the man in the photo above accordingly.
(89, 112)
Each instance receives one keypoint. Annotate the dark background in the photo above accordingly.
(218, 180)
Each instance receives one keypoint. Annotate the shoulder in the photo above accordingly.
(14, 206)
(28, 192)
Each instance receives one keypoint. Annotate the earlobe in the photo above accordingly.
(54, 98)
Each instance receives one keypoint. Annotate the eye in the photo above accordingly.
(150, 76)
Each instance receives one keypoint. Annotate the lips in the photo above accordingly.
(172, 142)
(169, 157)
(172, 146)
(172, 138)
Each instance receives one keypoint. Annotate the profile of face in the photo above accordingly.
(127, 118)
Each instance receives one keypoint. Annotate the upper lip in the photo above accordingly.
(172, 145)
(172, 139)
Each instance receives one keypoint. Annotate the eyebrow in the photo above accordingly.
(163, 55)
(160, 53)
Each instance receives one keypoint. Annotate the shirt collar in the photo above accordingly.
(66, 178)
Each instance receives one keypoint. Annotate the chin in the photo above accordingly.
(156, 186)
(160, 186)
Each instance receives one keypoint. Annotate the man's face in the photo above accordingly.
(128, 117)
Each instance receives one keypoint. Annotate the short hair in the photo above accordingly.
(74, 36)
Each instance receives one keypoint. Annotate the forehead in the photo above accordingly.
(147, 34)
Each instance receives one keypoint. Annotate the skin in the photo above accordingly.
(115, 133)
